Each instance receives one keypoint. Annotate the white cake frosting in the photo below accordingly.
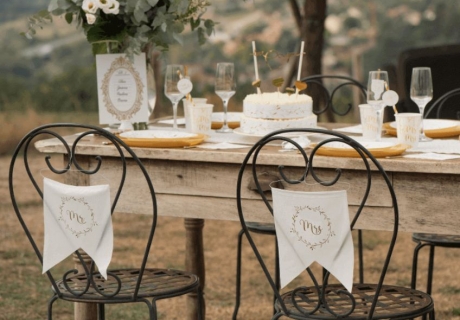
(267, 112)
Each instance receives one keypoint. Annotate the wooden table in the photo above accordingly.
(199, 184)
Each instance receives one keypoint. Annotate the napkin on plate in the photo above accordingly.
(313, 226)
(221, 145)
(432, 156)
(303, 141)
(77, 217)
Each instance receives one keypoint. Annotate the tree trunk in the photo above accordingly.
(312, 33)
(155, 81)
(310, 21)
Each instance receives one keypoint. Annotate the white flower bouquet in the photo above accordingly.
(129, 26)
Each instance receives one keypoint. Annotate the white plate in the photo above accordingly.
(356, 129)
(231, 116)
(434, 124)
(157, 134)
(180, 121)
(290, 134)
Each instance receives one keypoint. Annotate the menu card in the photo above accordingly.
(122, 88)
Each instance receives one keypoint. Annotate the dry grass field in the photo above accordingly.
(24, 291)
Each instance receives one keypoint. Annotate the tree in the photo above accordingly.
(310, 23)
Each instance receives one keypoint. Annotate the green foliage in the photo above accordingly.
(132, 24)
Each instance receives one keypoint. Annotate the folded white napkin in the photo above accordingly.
(303, 141)
(77, 217)
(313, 226)
(221, 145)
(449, 146)
(432, 156)
(356, 129)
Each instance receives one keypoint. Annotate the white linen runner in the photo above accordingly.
(77, 217)
(313, 226)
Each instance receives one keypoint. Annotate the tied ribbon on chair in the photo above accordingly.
(77, 217)
(313, 226)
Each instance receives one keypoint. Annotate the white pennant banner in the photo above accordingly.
(313, 226)
(77, 217)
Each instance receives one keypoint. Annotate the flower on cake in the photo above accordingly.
(129, 26)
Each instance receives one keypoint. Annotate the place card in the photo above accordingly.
(122, 88)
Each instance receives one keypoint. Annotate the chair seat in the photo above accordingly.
(394, 302)
(441, 240)
(157, 283)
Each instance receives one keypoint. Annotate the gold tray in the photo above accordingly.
(177, 142)
(434, 133)
(383, 152)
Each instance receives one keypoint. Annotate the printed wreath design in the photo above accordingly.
(118, 63)
(314, 245)
(67, 226)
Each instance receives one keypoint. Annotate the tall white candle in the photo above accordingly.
(255, 63)
(300, 60)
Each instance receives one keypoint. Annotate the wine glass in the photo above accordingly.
(421, 92)
(225, 88)
(174, 72)
(376, 86)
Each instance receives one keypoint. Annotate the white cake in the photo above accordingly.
(271, 111)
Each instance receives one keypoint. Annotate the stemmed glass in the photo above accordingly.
(174, 73)
(421, 92)
(225, 88)
(376, 86)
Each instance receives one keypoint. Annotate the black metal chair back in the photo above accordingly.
(324, 300)
(124, 284)
(441, 109)
(337, 92)
(442, 60)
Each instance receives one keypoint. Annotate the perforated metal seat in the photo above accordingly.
(394, 303)
(82, 282)
(319, 297)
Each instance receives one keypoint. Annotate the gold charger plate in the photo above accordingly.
(161, 140)
(452, 131)
(378, 152)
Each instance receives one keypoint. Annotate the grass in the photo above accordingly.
(16, 124)
(24, 291)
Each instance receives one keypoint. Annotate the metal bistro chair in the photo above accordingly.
(141, 283)
(435, 240)
(323, 298)
(329, 93)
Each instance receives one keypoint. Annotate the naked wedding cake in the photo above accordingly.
(270, 111)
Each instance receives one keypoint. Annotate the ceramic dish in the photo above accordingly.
(434, 128)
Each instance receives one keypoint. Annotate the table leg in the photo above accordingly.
(84, 311)
(194, 262)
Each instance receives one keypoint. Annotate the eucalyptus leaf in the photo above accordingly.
(178, 38)
(182, 7)
(53, 5)
(195, 23)
(152, 2)
(69, 17)
(201, 36)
